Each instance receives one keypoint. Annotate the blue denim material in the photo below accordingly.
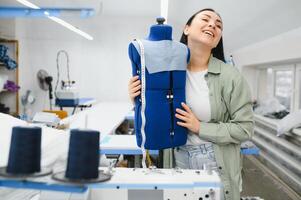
(195, 157)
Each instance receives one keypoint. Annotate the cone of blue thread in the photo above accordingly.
(25, 150)
(83, 155)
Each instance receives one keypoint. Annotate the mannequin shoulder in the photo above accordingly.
(133, 52)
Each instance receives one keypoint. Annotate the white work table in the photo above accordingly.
(105, 117)
(121, 144)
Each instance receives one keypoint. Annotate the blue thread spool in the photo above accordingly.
(83, 155)
(25, 150)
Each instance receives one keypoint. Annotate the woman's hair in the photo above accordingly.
(218, 51)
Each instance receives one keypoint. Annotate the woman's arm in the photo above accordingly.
(241, 124)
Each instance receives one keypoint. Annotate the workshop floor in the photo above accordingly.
(258, 182)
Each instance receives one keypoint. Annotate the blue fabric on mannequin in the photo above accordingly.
(165, 88)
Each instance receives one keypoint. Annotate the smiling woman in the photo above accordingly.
(202, 17)
(218, 113)
(206, 28)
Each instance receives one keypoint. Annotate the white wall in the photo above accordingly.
(7, 28)
(283, 48)
(100, 67)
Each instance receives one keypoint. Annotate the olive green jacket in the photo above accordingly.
(231, 122)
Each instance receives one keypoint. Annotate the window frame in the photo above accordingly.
(297, 91)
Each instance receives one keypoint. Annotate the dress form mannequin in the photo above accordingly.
(165, 77)
(160, 31)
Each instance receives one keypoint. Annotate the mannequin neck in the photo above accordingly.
(160, 32)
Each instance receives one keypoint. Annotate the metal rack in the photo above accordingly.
(280, 155)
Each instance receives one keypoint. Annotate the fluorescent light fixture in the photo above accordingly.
(9, 12)
(28, 4)
(58, 20)
(164, 9)
(69, 26)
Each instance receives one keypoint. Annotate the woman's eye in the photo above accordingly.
(204, 19)
(219, 25)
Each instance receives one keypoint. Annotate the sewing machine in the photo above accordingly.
(159, 184)
(131, 184)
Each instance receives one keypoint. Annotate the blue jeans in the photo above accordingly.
(195, 157)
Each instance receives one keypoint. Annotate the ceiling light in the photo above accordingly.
(69, 26)
(14, 12)
(28, 4)
(164, 9)
(58, 20)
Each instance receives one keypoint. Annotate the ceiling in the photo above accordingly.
(245, 22)
(54, 3)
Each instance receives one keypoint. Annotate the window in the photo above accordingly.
(280, 82)
(283, 87)
(264, 84)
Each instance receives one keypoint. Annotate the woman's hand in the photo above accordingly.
(188, 119)
(134, 88)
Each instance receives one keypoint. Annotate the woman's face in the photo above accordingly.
(206, 28)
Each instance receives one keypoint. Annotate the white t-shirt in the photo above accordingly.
(197, 98)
